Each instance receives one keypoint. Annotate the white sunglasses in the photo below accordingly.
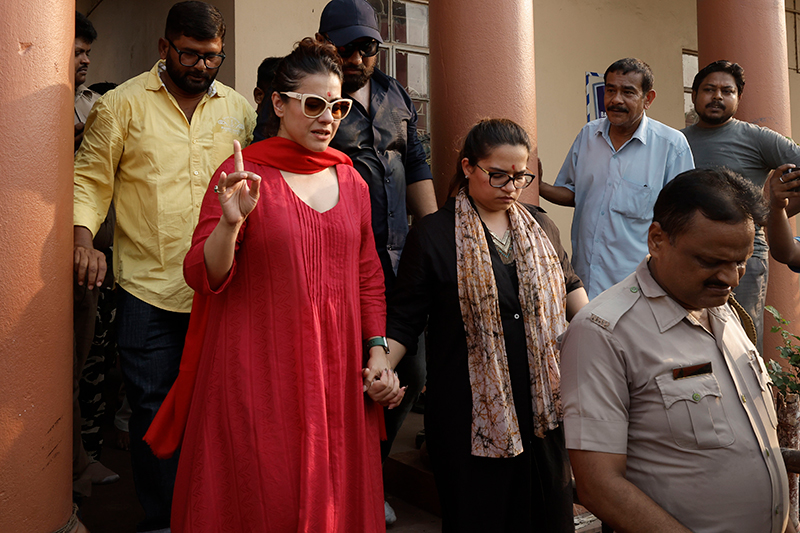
(314, 106)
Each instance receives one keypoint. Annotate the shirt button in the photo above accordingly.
(387, 180)
(602, 212)
(391, 214)
(744, 400)
(194, 141)
(196, 173)
(516, 316)
(634, 290)
(696, 397)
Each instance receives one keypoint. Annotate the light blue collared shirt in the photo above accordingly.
(615, 191)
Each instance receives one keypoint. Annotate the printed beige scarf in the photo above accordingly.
(542, 295)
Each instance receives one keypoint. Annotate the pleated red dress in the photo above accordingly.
(280, 436)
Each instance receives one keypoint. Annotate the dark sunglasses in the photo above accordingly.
(365, 48)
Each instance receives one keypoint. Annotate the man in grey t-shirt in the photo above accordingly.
(717, 140)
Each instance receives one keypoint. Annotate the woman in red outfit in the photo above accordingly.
(280, 436)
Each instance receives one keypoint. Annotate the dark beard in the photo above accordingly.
(186, 84)
(352, 83)
(714, 121)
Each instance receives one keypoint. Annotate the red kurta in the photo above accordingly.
(278, 437)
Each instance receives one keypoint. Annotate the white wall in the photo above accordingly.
(269, 28)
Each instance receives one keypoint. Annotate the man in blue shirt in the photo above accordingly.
(612, 176)
(380, 136)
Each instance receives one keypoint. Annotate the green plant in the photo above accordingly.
(785, 381)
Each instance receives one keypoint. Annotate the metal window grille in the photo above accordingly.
(405, 50)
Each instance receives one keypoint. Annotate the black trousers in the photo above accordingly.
(528, 493)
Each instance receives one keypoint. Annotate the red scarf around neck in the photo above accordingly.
(285, 154)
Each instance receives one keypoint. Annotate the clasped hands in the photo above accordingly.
(380, 381)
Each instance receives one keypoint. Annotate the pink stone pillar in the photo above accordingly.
(36, 100)
(753, 34)
(482, 66)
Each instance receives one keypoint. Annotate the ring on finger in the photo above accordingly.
(781, 179)
(217, 189)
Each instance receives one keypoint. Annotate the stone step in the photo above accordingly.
(405, 476)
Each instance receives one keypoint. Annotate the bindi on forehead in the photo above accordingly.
(513, 167)
(329, 94)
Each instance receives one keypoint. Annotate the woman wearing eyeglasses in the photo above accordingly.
(280, 436)
(490, 279)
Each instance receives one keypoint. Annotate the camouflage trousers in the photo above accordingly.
(102, 356)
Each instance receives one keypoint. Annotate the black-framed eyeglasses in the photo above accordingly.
(365, 48)
(499, 180)
(190, 59)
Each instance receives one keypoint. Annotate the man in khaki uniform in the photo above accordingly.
(669, 418)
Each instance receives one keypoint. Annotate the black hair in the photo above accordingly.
(197, 20)
(102, 87)
(309, 57)
(84, 29)
(734, 69)
(266, 74)
(481, 140)
(719, 194)
(631, 64)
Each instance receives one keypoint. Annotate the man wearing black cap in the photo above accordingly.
(380, 136)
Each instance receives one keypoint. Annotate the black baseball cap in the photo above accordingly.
(344, 21)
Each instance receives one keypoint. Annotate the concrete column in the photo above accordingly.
(36, 109)
(758, 43)
(482, 66)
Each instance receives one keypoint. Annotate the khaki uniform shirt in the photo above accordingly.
(704, 447)
(140, 150)
(84, 100)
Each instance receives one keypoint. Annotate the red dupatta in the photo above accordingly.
(165, 433)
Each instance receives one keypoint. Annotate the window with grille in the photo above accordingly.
(792, 24)
(690, 69)
(404, 52)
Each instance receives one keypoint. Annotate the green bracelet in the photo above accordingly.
(378, 341)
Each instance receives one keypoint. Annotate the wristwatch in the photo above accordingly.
(378, 341)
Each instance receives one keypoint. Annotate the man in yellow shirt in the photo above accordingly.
(152, 145)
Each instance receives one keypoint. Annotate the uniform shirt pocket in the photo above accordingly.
(633, 200)
(694, 409)
(756, 364)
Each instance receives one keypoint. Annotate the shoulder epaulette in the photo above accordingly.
(607, 313)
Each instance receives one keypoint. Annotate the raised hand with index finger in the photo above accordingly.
(237, 197)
